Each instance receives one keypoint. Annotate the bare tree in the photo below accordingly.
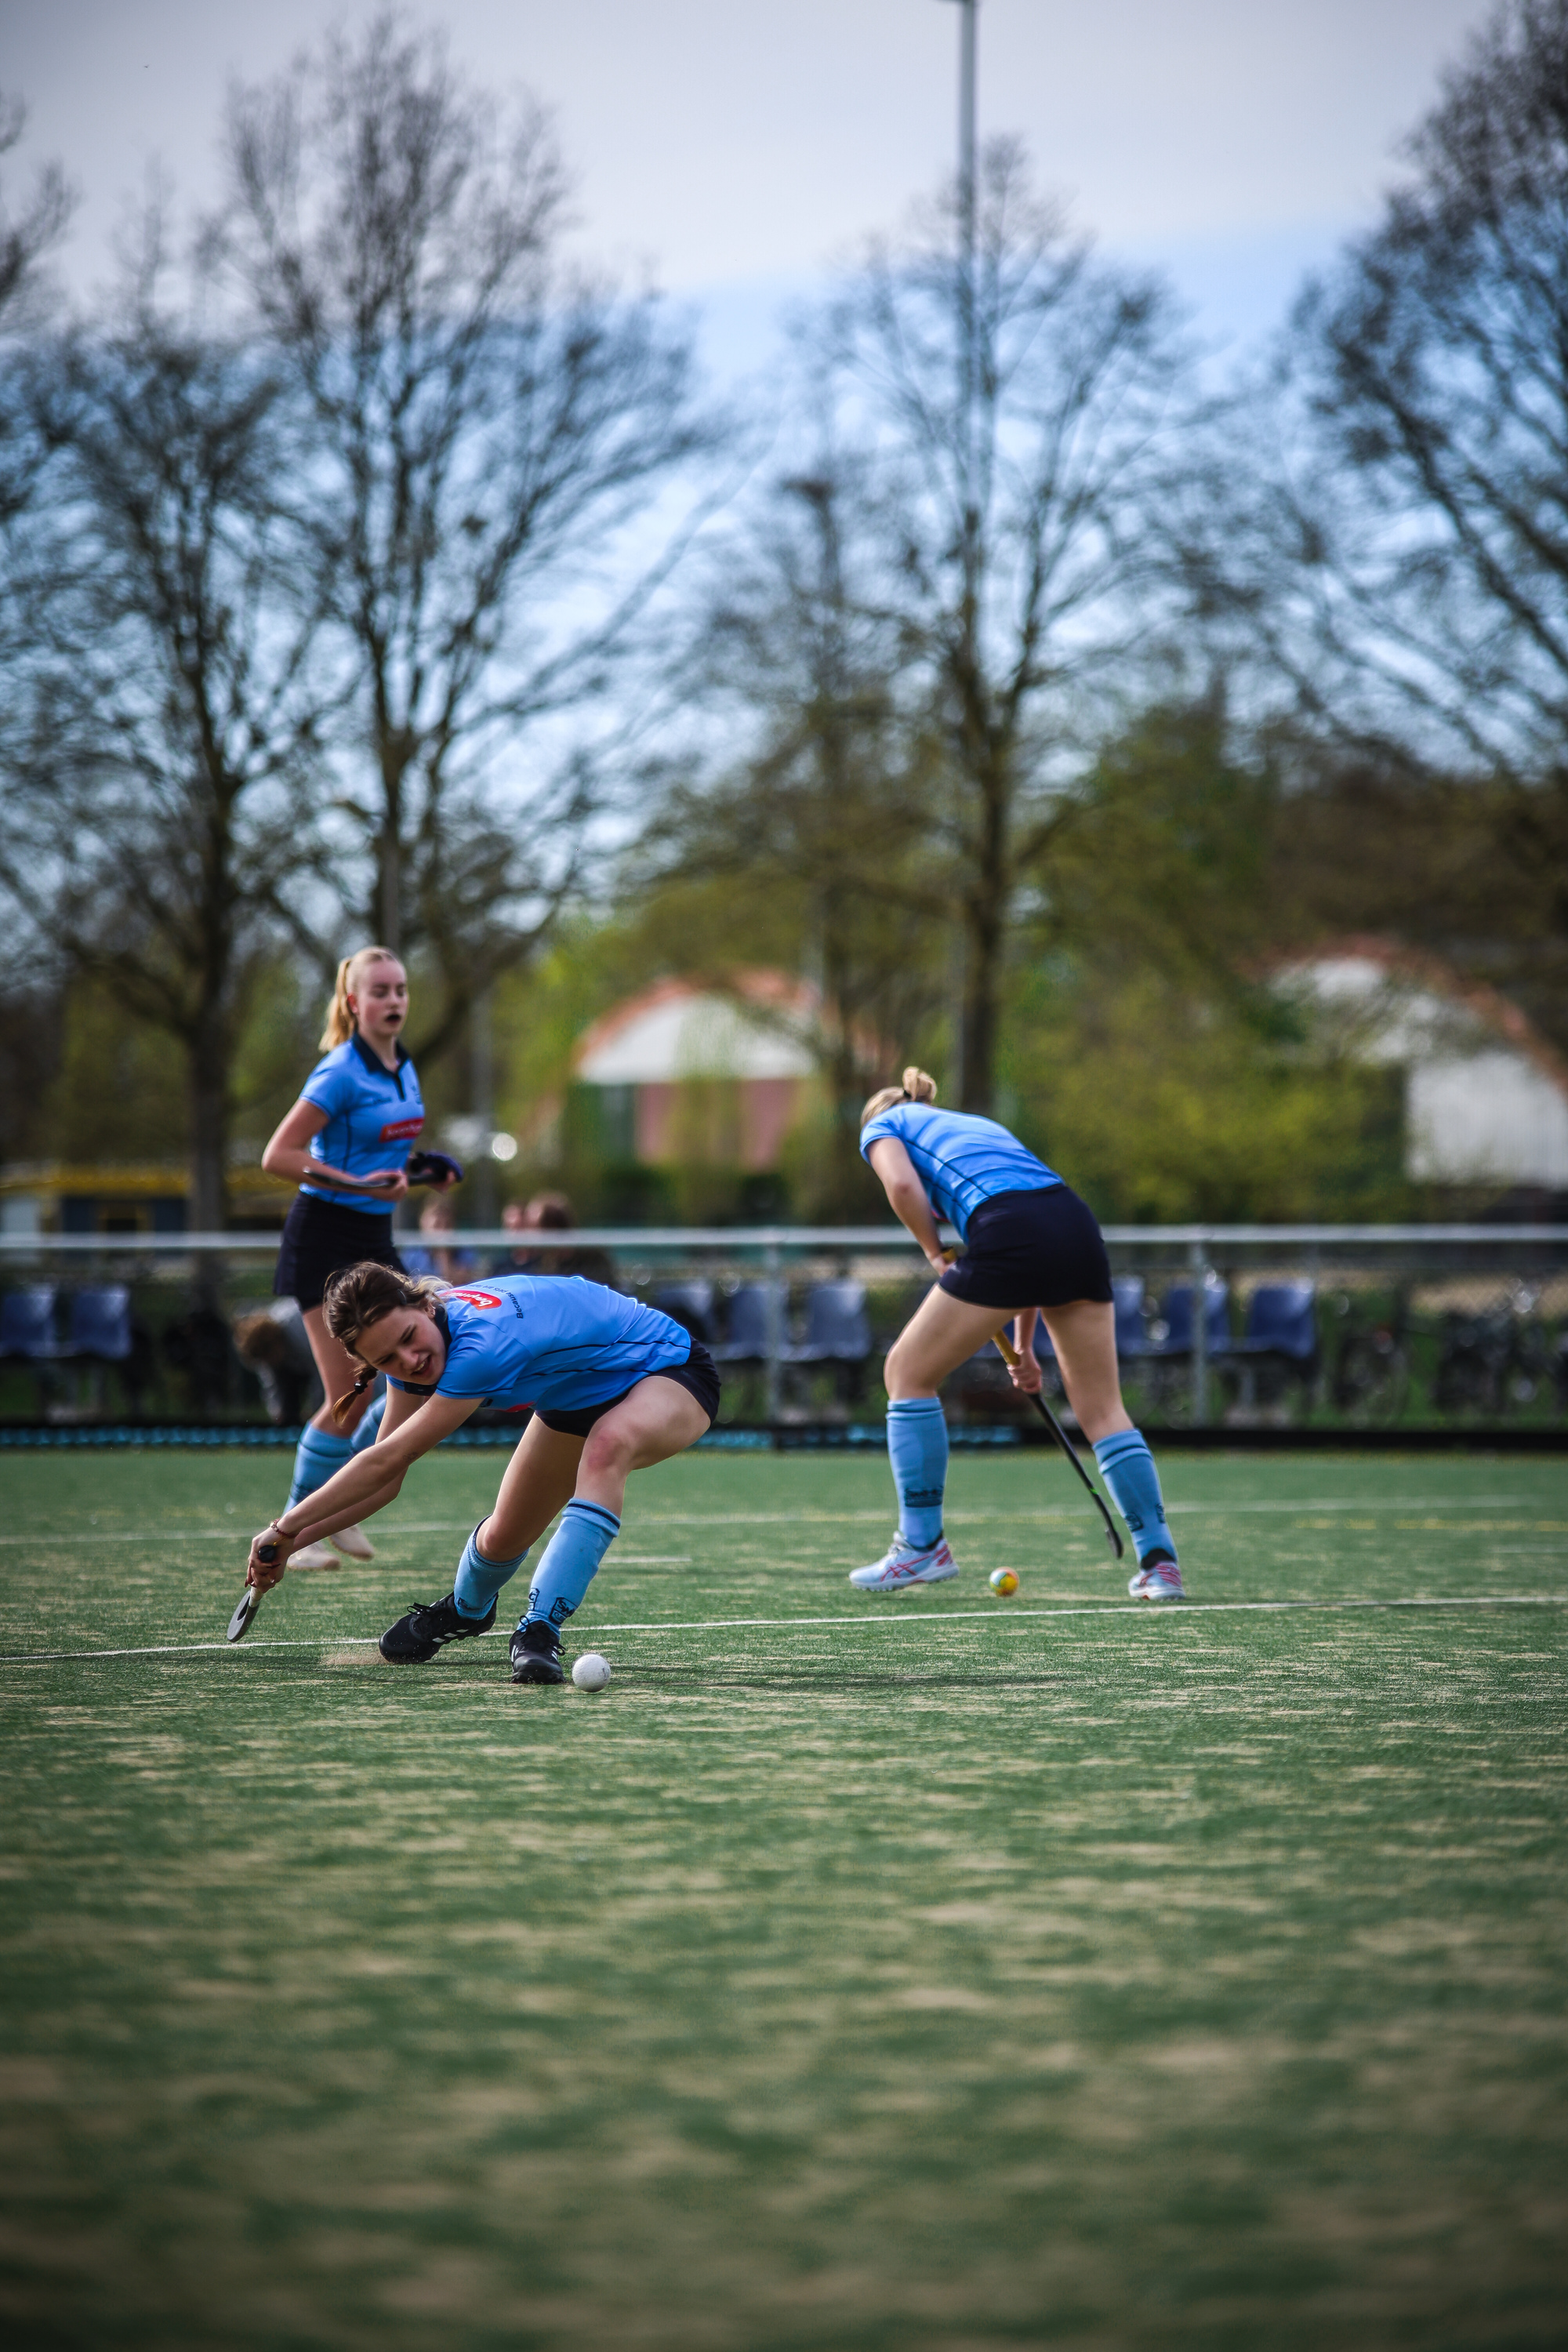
(823, 821)
(1406, 562)
(1396, 547)
(28, 237)
(1017, 416)
(161, 725)
(480, 431)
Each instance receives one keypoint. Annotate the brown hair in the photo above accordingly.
(917, 1086)
(340, 1025)
(358, 1296)
(551, 1213)
(259, 1338)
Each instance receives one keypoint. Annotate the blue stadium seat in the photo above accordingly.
(689, 1304)
(837, 1329)
(1282, 1320)
(1178, 1320)
(1131, 1338)
(27, 1324)
(101, 1324)
(748, 1341)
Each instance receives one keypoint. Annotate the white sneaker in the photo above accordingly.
(906, 1563)
(319, 1555)
(353, 1543)
(1161, 1581)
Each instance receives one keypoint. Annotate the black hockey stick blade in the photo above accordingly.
(244, 1617)
(250, 1600)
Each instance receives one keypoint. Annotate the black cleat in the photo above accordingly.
(428, 1627)
(536, 1652)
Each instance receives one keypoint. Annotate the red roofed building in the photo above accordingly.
(685, 1070)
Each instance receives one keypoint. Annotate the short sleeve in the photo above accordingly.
(874, 1129)
(331, 1088)
(466, 1373)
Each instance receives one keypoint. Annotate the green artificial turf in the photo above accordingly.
(934, 1976)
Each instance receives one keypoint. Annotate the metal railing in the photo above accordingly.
(1497, 1270)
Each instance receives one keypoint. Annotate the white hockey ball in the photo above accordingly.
(591, 1672)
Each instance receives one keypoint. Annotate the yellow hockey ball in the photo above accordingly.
(1004, 1582)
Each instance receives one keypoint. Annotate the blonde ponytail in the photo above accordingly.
(918, 1087)
(340, 1025)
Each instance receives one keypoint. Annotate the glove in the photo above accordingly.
(432, 1168)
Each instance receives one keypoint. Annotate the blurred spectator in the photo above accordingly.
(550, 1212)
(436, 1222)
(199, 1349)
(274, 1343)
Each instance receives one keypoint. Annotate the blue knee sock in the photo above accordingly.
(917, 1449)
(479, 1578)
(365, 1434)
(318, 1457)
(571, 1562)
(1128, 1468)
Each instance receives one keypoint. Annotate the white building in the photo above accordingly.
(650, 1055)
(1486, 1099)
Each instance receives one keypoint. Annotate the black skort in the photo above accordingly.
(698, 1374)
(320, 1238)
(1031, 1249)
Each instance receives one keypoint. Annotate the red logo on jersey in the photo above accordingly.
(477, 1297)
(401, 1130)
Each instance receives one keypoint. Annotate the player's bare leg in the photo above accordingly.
(659, 1418)
(1083, 1334)
(1084, 1337)
(942, 1333)
(539, 1480)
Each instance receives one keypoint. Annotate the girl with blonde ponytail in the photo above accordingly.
(346, 1143)
(341, 1022)
(1030, 1248)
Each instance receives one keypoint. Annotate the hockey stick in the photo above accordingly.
(250, 1600)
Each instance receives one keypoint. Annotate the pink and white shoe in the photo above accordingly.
(1158, 1579)
(906, 1563)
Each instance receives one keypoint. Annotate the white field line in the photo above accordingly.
(869, 1622)
(809, 1518)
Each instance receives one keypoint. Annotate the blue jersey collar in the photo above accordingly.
(373, 1061)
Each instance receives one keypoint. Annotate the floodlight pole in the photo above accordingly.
(481, 1039)
(968, 28)
(968, 386)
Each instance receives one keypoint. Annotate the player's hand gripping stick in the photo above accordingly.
(1009, 1355)
(264, 1553)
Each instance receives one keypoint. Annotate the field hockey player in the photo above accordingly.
(1027, 1236)
(614, 1387)
(347, 1142)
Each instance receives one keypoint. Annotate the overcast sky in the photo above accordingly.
(740, 146)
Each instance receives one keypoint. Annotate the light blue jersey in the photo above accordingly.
(374, 1119)
(961, 1160)
(551, 1340)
